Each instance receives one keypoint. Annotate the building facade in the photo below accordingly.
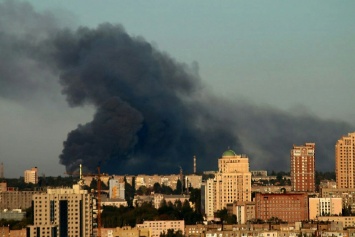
(31, 176)
(324, 207)
(290, 207)
(16, 199)
(303, 168)
(158, 227)
(116, 189)
(345, 161)
(62, 212)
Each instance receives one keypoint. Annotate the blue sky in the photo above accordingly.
(290, 55)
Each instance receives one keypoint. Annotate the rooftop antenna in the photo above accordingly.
(194, 164)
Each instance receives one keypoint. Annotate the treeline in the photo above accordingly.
(117, 217)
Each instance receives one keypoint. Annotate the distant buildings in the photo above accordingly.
(16, 199)
(345, 161)
(116, 189)
(31, 176)
(303, 168)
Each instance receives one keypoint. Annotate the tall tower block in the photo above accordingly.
(303, 168)
(345, 161)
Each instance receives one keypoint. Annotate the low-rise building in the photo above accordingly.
(158, 227)
(128, 231)
(324, 207)
(290, 207)
(158, 198)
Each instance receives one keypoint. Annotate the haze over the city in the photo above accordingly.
(182, 78)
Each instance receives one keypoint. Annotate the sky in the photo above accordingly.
(284, 63)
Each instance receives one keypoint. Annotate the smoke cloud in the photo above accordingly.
(153, 113)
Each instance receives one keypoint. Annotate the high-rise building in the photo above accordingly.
(345, 161)
(303, 168)
(31, 176)
(231, 183)
(62, 212)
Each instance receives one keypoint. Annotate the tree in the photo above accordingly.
(178, 189)
(157, 188)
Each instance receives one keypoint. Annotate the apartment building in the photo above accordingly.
(346, 194)
(116, 189)
(16, 199)
(31, 176)
(290, 207)
(62, 212)
(303, 168)
(193, 181)
(158, 198)
(345, 161)
(324, 207)
(158, 227)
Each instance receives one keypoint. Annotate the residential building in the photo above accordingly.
(158, 227)
(346, 194)
(290, 207)
(158, 198)
(16, 199)
(62, 212)
(128, 231)
(345, 161)
(244, 211)
(324, 207)
(303, 168)
(208, 198)
(193, 181)
(3, 187)
(149, 180)
(116, 189)
(347, 221)
(31, 176)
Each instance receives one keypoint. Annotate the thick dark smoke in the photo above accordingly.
(153, 114)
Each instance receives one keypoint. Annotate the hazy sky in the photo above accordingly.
(290, 55)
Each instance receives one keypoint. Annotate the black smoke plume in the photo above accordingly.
(153, 114)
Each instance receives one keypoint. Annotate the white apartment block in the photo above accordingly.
(158, 227)
(62, 212)
(324, 207)
(31, 176)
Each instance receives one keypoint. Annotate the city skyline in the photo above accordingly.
(265, 79)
